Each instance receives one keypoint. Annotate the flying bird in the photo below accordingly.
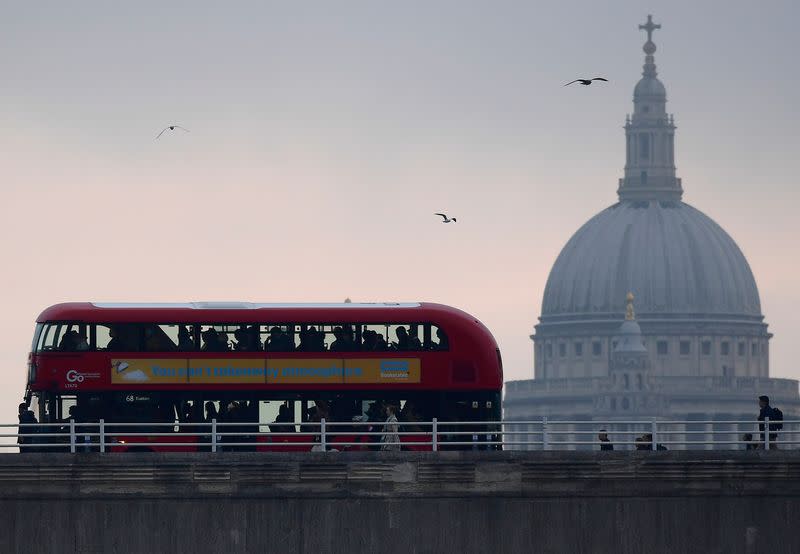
(446, 219)
(171, 128)
(587, 81)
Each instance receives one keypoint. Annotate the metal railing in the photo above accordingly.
(537, 434)
(643, 434)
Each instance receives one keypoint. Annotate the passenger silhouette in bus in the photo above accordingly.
(410, 414)
(210, 415)
(213, 341)
(369, 340)
(317, 339)
(278, 341)
(323, 410)
(338, 344)
(222, 344)
(402, 339)
(153, 341)
(208, 336)
(222, 414)
(348, 338)
(115, 344)
(69, 342)
(82, 342)
(311, 340)
(287, 341)
(413, 337)
(284, 423)
(254, 332)
(187, 412)
(444, 343)
(380, 343)
(242, 336)
(124, 338)
(271, 343)
(150, 342)
(185, 341)
(305, 341)
(229, 413)
(211, 411)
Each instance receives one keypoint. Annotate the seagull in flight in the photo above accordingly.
(446, 219)
(587, 81)
(171, 128)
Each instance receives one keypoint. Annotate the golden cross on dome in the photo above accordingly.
(650, 27)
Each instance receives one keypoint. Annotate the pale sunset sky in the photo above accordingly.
(324, 135)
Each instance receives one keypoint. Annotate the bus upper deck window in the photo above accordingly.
(48, 339)
(404, 337)
(438, 340)
(161, 338)
(37, 336)
(64, 337)
(280, 338)
(123, 337)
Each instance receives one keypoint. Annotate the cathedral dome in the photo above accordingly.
(679, 262)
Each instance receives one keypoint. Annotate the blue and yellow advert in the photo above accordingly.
(278, 371)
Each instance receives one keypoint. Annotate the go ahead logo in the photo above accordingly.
(75, 376)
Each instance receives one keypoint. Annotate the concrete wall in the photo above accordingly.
(536, 502)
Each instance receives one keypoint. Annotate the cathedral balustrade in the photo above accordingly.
(701, 384)
(705, 384)
(567, 386)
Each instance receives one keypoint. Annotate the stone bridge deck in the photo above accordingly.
(576, 502)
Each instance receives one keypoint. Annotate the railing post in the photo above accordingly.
(654, 430)
(322, 434)
(102, 435)
(545, 438)
(434, 435)
(766, 433)
(72, 436)
(213, 434)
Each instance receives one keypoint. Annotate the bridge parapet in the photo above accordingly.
(615, 502)
(387, 475)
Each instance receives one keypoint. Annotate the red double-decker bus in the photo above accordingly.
(268, 367)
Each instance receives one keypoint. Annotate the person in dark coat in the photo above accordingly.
(645, 442)
(749, 444)
(605, 442)
(25, 436)
(767, 411)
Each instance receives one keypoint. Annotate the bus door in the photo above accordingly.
(459, 411)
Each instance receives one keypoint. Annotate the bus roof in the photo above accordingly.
(197, 312)
(251, 305)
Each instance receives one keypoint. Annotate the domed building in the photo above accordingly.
(699, 348)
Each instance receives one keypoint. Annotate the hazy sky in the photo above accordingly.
(325, 134)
